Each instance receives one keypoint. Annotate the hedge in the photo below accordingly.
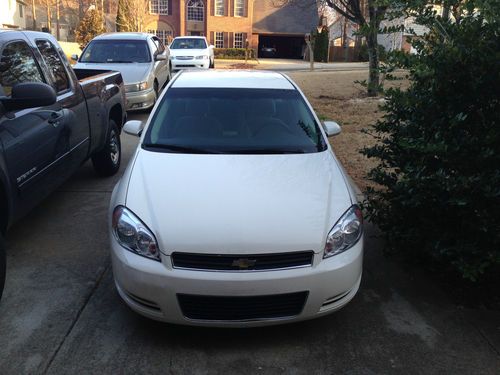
(233, 53)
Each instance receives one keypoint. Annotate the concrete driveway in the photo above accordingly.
(61, 314)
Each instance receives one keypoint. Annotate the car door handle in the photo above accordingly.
(55, 118)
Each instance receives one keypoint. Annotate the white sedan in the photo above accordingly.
(191, 52)
(234, 211)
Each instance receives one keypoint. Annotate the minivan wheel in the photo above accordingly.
(107, 161)
(2, 265)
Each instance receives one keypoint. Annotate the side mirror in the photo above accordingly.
(74, 57)
(29, 95)
(211, 46)
(331, 128)
(133, 127)
(160, 57)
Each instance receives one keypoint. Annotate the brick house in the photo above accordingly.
(229, 23)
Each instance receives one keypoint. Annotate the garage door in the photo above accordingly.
(287, 47)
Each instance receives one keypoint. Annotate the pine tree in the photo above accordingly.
(90, 26)
(123, 22)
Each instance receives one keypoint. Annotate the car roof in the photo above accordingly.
(190, 37)
(250, 79)
(123, 36)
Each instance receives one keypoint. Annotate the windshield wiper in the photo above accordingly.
(179, 149)
(272, 151)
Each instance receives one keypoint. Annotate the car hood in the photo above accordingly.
(237, 204)
(188, 52)
(131, 73)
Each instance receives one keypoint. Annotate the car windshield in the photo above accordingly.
(233, 121)
(116, 51)
(188, 43)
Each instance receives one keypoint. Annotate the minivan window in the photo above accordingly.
(55, 64)
(18, 65)
(116, 51)
(233, 121)
(188, 43)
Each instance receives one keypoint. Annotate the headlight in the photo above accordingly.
(172, 57)
(204, 57)
(133, 235)
(345, 233)
(137, 87)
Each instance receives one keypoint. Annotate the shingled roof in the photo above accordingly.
(295, 17)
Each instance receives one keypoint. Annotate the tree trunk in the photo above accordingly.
(373, 57)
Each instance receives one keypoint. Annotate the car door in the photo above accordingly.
(70, 98)
(161, 68)
(32, 138)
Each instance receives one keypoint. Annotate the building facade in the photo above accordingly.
(12, 14)
(230, 23)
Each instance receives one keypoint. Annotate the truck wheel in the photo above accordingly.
(212, 65)
(2, 265)
(107, 161)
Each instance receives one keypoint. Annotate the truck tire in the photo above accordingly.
(2, 265)
(107, 161)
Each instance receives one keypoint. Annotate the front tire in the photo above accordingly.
(212, 64)
(2, 265)
(107, 161)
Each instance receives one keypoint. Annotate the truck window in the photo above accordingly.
(17, 65)
(55, 64)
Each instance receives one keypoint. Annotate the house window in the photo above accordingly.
(219, 39)
(239, 8)
(195, 10)
(21, 11)
(163, 35)
(158, 7)
(219, 7)
(238, 40)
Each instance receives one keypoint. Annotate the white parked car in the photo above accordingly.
(141, 58)
(191, 52)
(234, 210)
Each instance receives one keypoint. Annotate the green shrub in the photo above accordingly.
(233, 53)
(439, 151)
(321, 45)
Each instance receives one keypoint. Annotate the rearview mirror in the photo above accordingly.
(74, 57)
(331, 128)
(29, 95)
(160, 57)
(133, 127)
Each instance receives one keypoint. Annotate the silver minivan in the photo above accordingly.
(141, 58)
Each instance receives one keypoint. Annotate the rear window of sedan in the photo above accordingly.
(233, 121)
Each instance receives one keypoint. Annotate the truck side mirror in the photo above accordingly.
(29, 95)
(74, 57)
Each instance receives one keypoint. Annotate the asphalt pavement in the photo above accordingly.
(60, 313)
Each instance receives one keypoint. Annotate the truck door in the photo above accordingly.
(70, 98)
(33, 139)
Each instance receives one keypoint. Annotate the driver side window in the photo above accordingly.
(17, 65)
(160, 48)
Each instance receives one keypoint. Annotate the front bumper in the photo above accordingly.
(150, 288)
(190, 64)
(137, 100)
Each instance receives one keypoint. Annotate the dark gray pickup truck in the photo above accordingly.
(52, 119)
